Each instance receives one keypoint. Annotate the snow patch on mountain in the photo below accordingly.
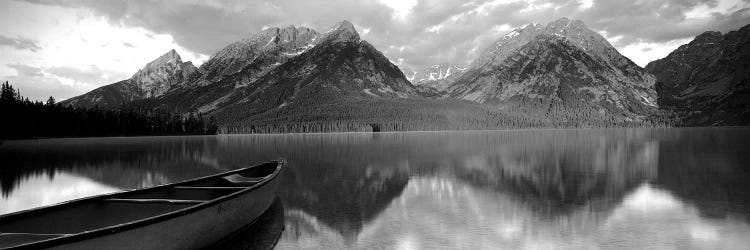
(438, 76)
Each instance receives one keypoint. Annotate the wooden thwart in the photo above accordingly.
(172, 201)
(209, 188)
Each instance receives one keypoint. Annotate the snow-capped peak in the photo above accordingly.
(438, 76)
(512, 33)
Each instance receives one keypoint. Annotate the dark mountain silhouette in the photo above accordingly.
(707, 81)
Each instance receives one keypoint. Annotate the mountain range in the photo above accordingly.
(562, 74)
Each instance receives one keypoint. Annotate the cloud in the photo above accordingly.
(35, 85)
(207, 26)
(38, 83)
(26, 70)
(661, 21)
(91, 75)
(72, 40)
(424, 32)
(20, 43)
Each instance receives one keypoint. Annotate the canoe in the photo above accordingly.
(184, 215)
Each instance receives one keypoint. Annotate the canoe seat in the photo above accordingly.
(15, 239)
(242, 180)
(171, 201)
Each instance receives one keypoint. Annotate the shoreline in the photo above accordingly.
(3, 141)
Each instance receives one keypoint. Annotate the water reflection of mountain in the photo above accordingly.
(343, 183)
(336, 179)
(121, 162)
(555, 176)
(710, 169)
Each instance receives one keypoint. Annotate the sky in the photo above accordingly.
(64, 48)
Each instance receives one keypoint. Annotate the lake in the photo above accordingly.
(686, 188)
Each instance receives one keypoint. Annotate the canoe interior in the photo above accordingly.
(87, 216)
(115, 209)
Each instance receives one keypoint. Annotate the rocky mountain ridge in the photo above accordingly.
(331, 68)
(159, 76)
(707, 81)
(261, 52)
(558, 68)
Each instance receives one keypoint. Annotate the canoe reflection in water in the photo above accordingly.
(189, 214)
(264, 233)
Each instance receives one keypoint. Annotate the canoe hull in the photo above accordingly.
(197, 229)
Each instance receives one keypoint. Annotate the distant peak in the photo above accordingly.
(288, 29)
(532, 26)
(345, 26)
(343, 31)
(710, 34)
(564, 22)
(171, 54)
(168, 62)
(171, 57)
(276, 31)
(708, 37)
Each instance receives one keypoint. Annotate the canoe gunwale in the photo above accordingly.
(74, 237)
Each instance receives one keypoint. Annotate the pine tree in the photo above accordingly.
(51, 101)
(8, 94)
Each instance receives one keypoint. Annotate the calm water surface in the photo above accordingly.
(529, 189)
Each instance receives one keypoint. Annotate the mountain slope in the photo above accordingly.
(560, 71)
(155, 79)
(707, 81)
(337, 68)
(435, 78)
(257, 53)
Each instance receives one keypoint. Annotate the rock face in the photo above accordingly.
(155, 79)
(438, 77)
(258, 53)
(562, 70)
(313, 70)
(707, 81)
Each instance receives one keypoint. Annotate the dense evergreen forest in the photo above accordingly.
(379, 115)
(24, 119)
(321, 112)
(27, 119)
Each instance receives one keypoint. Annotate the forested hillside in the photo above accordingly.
(415, 115)
(23, 119)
